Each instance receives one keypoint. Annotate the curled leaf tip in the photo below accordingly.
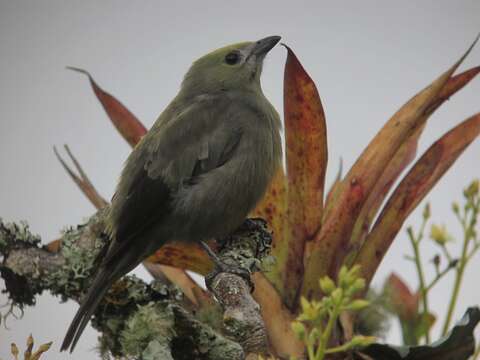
(80, 70)
(468, 51)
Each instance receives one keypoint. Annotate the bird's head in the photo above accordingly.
(233, 67)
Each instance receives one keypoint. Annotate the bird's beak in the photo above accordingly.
(263, 46)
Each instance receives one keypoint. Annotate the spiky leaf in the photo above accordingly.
(412, 189)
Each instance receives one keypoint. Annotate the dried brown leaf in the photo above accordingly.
(82, 181)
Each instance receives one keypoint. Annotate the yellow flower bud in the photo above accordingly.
(327, 285)
(439, 234)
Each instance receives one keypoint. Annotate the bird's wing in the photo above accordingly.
(199, 139)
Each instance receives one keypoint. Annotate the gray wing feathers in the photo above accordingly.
(192, 142)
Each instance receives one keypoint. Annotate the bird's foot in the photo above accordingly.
(222, 267)
(255, 226)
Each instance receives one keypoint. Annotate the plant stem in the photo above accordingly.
(322, 347)
(341, 348)
(421, 277)
(459, 276)
(311, 352)
(473, 251)
(438, 277)
(446, 253)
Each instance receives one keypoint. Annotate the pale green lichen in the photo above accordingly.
(73, 276)
(151, 323)
(124, 299)
(195, 340)
(248, 246)
(14, 236)
(60, 282)
(157, 350)
(211, 315)
(21, 291)
(217, 347)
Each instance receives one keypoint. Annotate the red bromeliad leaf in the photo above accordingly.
(126, 123)
(306, 157)
(403, 157)
(400, 299)
(306, 148)
(412, 189)
(332, 242)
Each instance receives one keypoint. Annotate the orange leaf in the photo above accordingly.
(402, 158)
(54, 246)
(126, 123)
(401, 300)
(306, 156)
(188, 256)
(332, 243)
(278, 319)
(412, 189)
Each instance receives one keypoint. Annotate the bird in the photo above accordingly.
(197, 173)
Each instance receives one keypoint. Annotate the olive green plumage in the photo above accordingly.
(197, 173)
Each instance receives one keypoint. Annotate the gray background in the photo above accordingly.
(366, 57)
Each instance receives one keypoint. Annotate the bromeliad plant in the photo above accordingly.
(316, 233)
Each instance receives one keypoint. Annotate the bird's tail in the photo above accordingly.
(95, 294)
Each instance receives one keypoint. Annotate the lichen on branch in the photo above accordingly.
(137, 319)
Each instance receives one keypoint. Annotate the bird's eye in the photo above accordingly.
(232, 58)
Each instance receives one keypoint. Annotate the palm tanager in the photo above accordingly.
(199, 170)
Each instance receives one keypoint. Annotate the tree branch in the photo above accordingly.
(135, 318)
(242, 318)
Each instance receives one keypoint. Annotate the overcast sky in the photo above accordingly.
(367, 59)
